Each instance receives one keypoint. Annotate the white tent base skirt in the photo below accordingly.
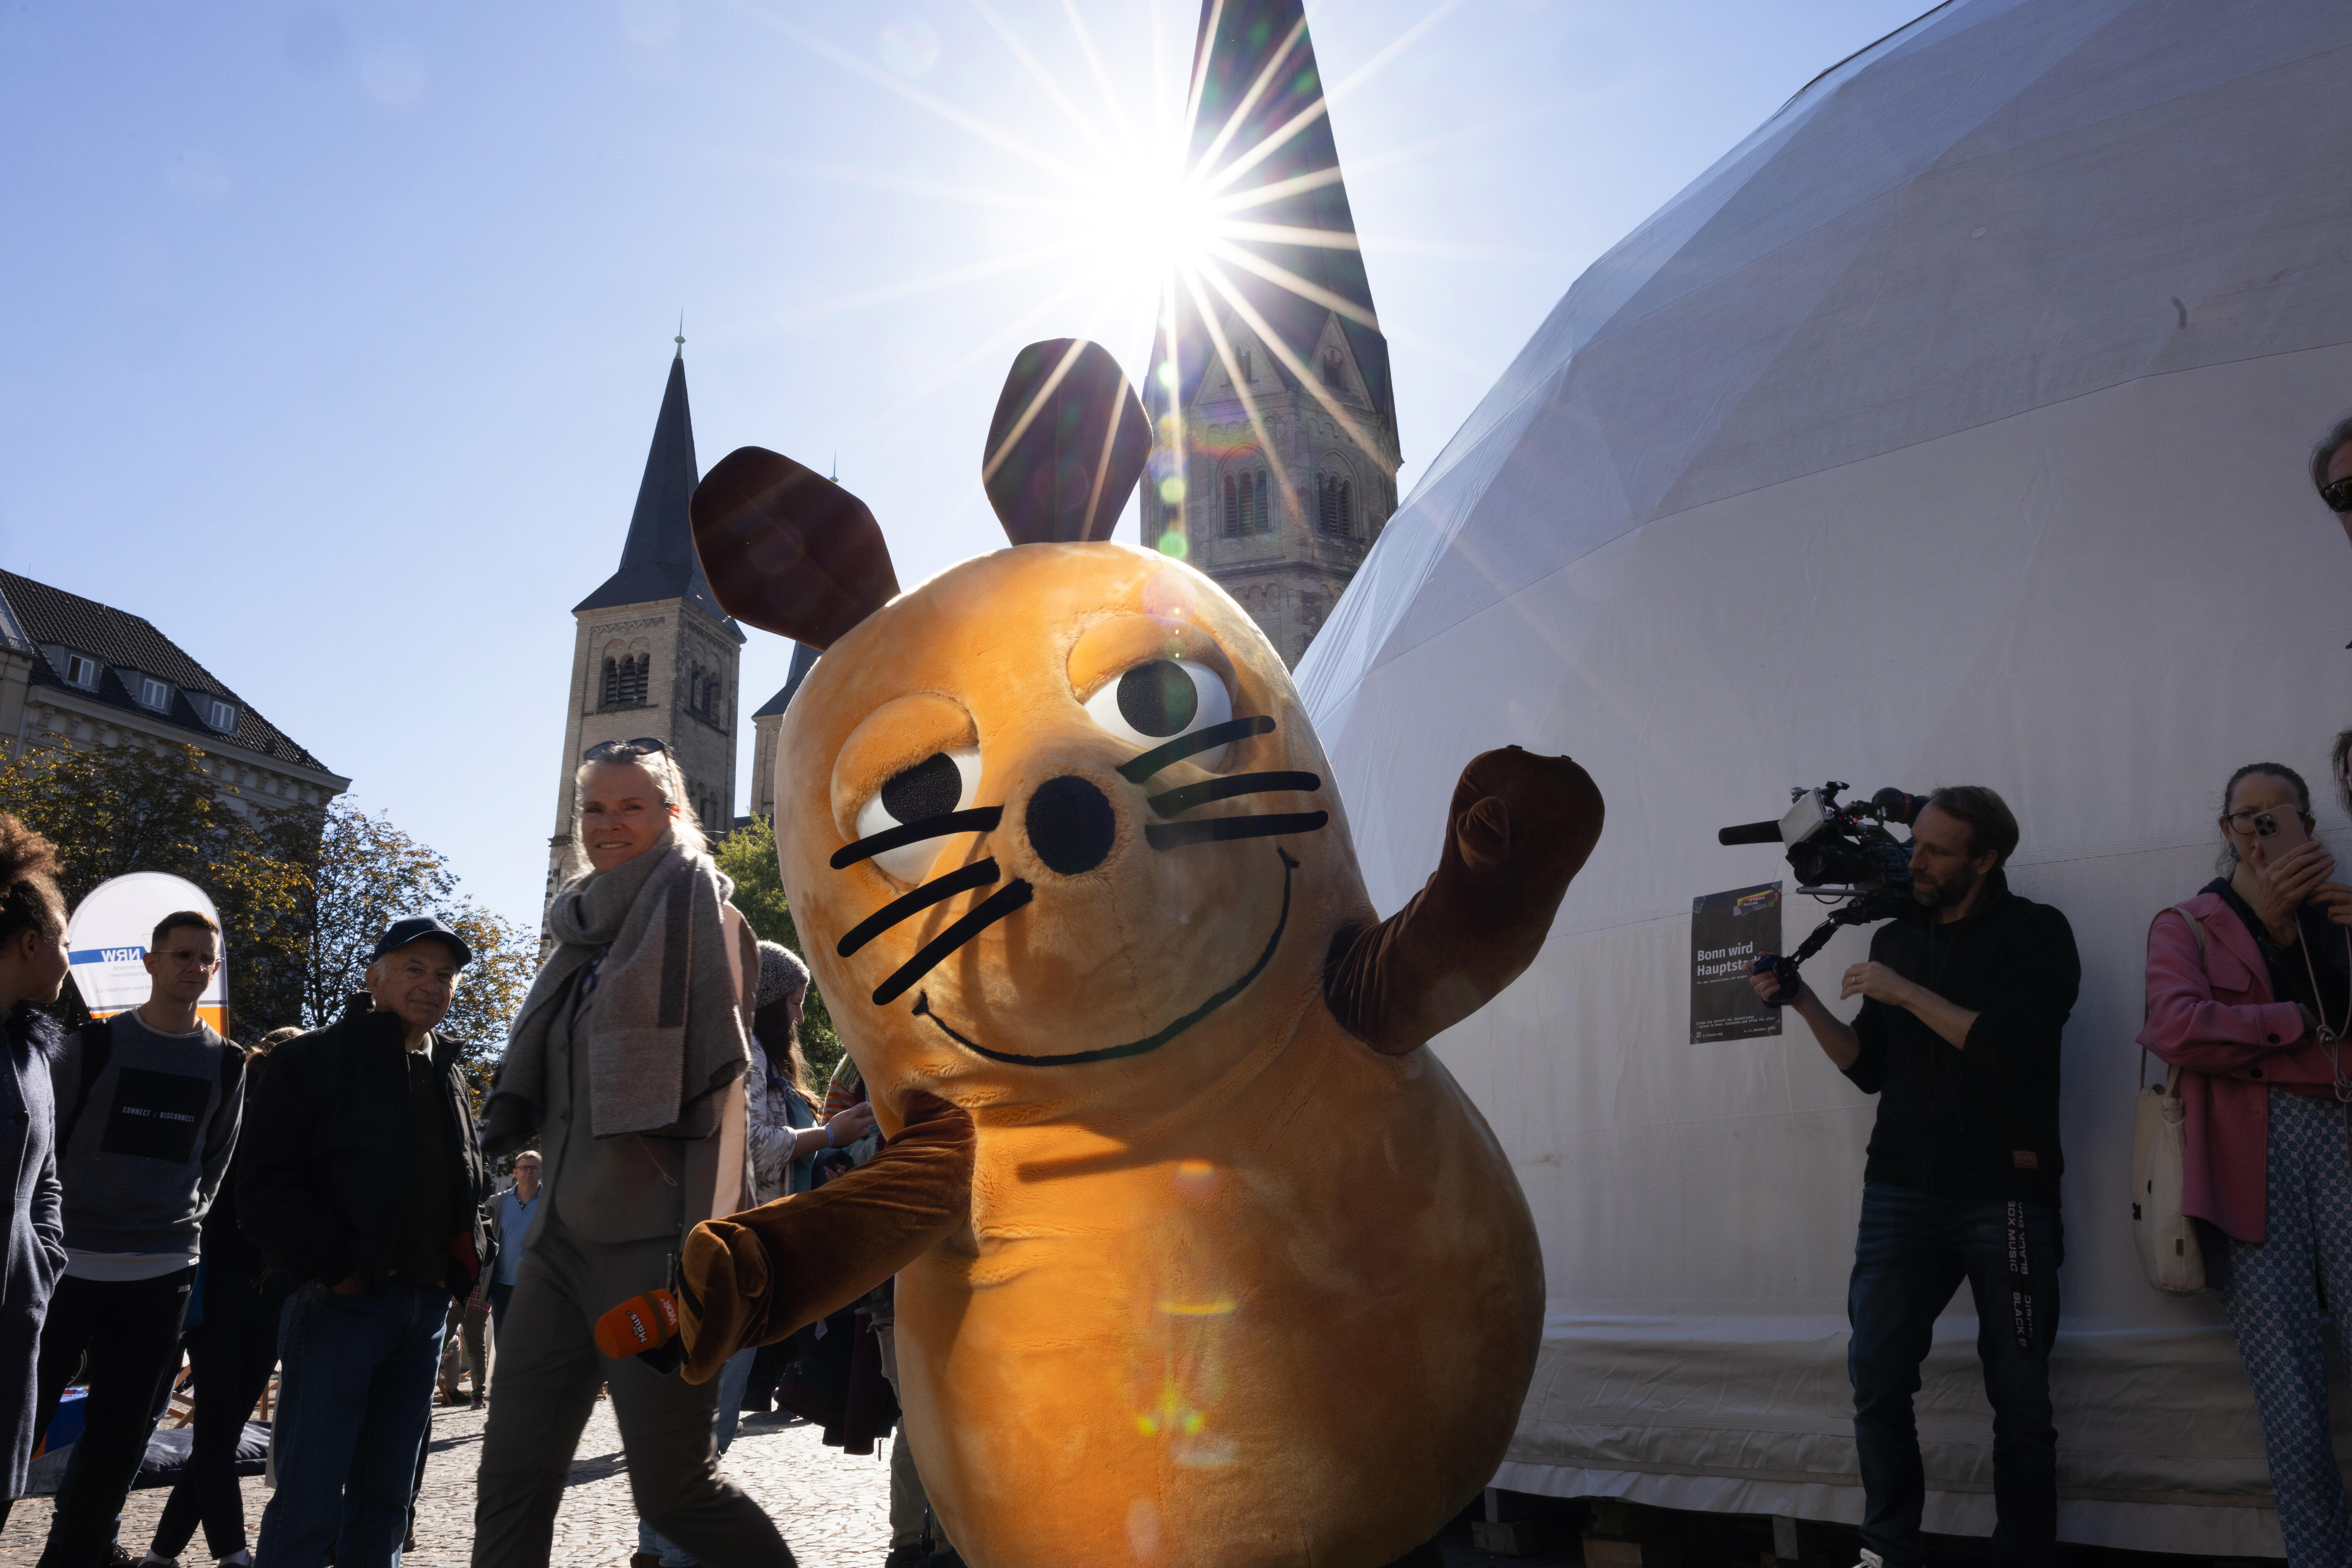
(1754, 1415)
(2216, 1528)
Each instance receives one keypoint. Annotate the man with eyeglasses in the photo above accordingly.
(2331, 472)
(148, 1103)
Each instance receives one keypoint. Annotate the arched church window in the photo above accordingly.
(610, 697)
(1232, 516)
(1258, 518)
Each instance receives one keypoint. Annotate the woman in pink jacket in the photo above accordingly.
(2249, 1002)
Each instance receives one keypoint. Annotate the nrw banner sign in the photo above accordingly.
(107, 938)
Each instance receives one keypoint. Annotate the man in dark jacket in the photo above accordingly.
(363, 1187)
(1964, 1004)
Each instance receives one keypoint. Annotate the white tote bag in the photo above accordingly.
(2167, 1240)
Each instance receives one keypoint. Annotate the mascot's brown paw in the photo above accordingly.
(1521, 818)
(1519, 830)
(723, 1288)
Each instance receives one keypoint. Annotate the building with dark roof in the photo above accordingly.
(654, 655)
(1269, 389)
(76, 672)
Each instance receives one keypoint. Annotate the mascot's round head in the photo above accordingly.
(1054, 828)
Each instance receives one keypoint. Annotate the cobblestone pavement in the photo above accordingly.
(834, 1509)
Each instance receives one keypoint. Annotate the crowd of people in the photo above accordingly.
(2248, 992)
(325, 1199)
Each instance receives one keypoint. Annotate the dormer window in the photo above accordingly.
(1335, 369)
(1241, 365)
(154, 694)
(82, 672)
(221, 717)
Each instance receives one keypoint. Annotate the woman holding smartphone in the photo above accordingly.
(2249, 993)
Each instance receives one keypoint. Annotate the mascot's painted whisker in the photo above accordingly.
(1202, 1258)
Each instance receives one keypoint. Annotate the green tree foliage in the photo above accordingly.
(135, 808)
(303, 894)
(368, 874)
(747, 855)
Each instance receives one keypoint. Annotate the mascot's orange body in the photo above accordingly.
(1223, 1268)
(1255, 1293)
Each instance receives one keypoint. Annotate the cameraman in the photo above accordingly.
(1963, 1002)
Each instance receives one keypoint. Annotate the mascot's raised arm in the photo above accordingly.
(1201, 1258)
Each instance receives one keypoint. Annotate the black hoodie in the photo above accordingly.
(1979, 1122)
(325, 1184)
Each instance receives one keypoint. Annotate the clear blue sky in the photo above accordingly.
(336, 332)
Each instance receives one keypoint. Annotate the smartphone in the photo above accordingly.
(2279, 831)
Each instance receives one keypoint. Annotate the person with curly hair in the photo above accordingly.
(32, 973)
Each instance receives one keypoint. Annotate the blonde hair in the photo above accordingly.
(668, 782)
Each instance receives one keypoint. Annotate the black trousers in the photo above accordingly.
(230, 1356)
(123, 1338)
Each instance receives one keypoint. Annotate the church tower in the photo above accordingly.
(1275, 456)
(655, 655)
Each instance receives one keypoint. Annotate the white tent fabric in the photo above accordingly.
(1951, 429)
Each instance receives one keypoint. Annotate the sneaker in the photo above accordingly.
(1871, 1560)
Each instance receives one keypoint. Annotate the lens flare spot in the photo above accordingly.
(1173, 596)
(1143, 1530)
(1195, 1178)
(910, 47)
(1171, 489)
(1172, 545)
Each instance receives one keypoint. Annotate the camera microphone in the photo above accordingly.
(1753, 833)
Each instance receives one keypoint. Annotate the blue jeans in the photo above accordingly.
(1911, 1253)
(733, 1379)
(354, 1403)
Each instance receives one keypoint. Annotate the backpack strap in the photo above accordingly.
(97, 1050)
(232, 1072)
(2196, 930)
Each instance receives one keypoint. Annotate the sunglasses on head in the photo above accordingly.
(622, 751)
(2339, 495)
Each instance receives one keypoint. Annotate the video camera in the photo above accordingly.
(1837, 851)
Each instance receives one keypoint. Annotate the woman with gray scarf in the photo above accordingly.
(627, 1064)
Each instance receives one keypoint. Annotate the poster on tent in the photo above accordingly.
(107, 937)
(1727, 930)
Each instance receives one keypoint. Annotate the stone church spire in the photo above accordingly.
(653, 656)
(658, 561)
(1274, 415)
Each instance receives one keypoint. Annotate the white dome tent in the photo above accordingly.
(1950, 429)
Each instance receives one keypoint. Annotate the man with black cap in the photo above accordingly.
(364, 1188)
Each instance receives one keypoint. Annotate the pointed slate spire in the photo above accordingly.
(658, 561)
(1261, 47)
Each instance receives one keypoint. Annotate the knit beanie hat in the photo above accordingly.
(781, 972)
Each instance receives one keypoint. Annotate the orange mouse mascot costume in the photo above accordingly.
(1202, 1261)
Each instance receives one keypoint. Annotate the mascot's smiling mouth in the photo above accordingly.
(1149, 1042)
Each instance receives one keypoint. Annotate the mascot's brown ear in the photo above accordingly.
(787, 550)
(1066, 446)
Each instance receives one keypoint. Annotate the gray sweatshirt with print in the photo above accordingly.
(141, 1155)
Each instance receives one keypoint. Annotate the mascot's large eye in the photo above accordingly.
(940, 782)
(1154, 703)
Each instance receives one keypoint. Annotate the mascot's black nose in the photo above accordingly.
(1071, 825)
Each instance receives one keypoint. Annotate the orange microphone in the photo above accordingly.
(645, 1326)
